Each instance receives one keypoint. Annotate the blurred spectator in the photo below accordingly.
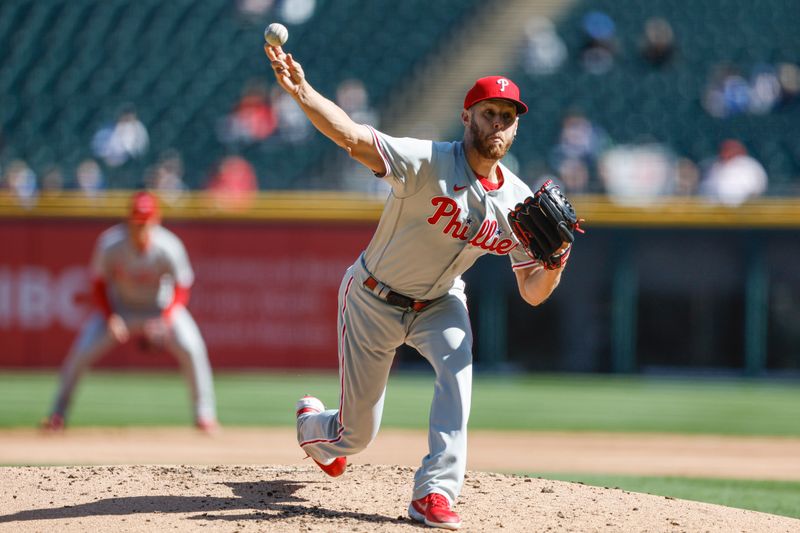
(765, 89)
(727, 93)
(351, 95)
(543, 51)
(89, 177)
(789, 79)
(233, 183)
(638, 174)
(735, 176)
(687, 177)
(252, 119)
(297, 11)
(126, 139)
(574, 175)
(20, 180)
(658, 42)
(254, 9)
(574, 157)
(53, 181)
(288, 11)
(600, 42)
(166, 177)
(293, 126)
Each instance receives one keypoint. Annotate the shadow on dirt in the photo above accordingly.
(271, 500)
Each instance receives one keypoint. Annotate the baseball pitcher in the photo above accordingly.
(141, 277)
(450, 203)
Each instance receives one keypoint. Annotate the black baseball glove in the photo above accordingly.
(544, 223)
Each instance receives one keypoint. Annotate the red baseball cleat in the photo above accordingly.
(54, 423)
(434, 510)
(209, 426)
(309, 404)
(336, 468)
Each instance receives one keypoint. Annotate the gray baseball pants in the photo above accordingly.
(183, 341)
(370, 330)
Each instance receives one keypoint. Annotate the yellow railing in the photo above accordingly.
(337, 206)
(690, 212)
(289, 206)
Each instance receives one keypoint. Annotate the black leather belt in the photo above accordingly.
(395, 298)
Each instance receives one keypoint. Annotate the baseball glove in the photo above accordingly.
(543, 223)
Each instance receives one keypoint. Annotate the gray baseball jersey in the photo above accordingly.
(141, 282)
(140, 285)
(437, 221)
(440, 215)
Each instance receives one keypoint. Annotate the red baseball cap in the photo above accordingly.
(495, 87)
(144, 207)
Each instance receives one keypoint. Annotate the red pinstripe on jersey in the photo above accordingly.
(342, 370)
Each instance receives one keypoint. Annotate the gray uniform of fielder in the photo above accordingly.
(140, 286)
(436, 223)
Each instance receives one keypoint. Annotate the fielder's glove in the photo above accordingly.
(543, 223)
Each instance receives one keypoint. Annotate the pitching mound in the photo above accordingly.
(367, 498)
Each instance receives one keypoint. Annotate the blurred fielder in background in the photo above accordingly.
(141, 278)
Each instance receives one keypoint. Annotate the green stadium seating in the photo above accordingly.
(636, 101)
(66, 67)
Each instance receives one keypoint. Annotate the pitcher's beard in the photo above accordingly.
(486, 148)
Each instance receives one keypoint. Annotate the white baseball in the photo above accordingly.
(276, 34)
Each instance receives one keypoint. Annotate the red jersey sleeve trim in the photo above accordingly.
(526, 264)
(381, 153)
(100, 296)
(180, 297)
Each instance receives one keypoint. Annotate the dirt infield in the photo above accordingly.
(234, 484)
(366, 499)
(773, 458)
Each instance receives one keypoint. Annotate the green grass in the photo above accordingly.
(540, 403)
(774, 497)
(560, 403)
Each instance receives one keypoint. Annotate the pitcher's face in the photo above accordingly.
(491, 127)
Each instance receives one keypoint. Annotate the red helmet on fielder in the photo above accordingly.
(144, 208)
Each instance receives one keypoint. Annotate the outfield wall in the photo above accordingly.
(678, 284)
(265, 294)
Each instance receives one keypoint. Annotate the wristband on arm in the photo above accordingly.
(180, 296)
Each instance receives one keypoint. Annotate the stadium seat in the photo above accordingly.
(66, 68)
(668, 101)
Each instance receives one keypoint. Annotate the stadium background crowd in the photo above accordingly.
(630, 99)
